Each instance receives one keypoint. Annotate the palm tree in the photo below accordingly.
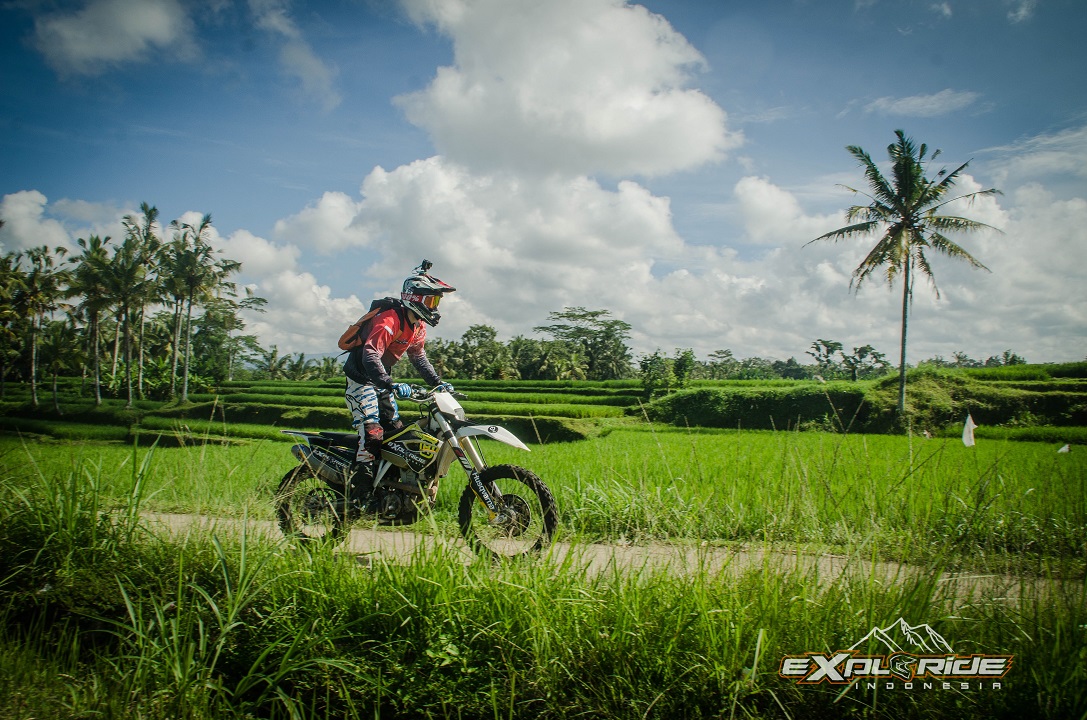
(173, 261)
(142, 232)
(328, 367)
(299, 368)
(201, 277)
(125, 281)
(906, 209)
(38, 296)
(11, 279)
(274, 367)
(59, 351)
(88, 282)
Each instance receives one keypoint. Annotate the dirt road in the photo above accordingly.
(397, 546)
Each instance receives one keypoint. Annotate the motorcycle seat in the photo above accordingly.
(342, 439)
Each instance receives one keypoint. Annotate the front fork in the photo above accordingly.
(469, 460)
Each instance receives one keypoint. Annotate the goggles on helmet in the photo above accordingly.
(430, 302)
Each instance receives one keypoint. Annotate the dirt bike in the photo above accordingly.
(505, 510)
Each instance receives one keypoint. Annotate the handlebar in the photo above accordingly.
(419, 392)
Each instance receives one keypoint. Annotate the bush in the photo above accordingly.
(934, 398)
(837, 405)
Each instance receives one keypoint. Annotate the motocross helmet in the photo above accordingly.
(423, 292)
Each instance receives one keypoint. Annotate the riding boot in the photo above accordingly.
(360, 483)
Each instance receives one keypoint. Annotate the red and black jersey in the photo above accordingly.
(389, 336)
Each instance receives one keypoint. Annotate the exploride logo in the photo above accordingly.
(916, 657)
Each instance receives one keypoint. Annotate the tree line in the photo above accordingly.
(142, 317)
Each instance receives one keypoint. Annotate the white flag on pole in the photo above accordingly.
(968, 431)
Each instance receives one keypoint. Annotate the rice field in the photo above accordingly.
(907, 498)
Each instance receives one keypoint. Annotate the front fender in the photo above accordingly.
(495, 432)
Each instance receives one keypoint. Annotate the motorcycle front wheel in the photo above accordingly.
(527, 522)
(308, 509)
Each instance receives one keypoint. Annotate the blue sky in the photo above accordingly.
(667, 161)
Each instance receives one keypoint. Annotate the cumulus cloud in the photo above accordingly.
(773, 216)
(941, 103)
(296, 56)
(302, 314)
(569, 86)
(516, 244)
(324, 226)
(26, 224)
(107, 33)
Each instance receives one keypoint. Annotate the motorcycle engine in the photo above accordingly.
(397, 500)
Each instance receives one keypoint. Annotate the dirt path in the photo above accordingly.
(397, 546)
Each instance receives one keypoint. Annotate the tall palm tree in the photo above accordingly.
(39, 295)
(173, 260)
(125, 280)
(142, 230)
(11, 279)
(906, 209)
(202, 277)
(89, 283)
(59, 350)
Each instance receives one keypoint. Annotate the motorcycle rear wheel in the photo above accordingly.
(308, 509)
(527, 501)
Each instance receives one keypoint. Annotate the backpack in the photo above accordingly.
(354, 336)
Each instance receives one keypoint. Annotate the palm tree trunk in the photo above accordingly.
(139, 366)
(116, 346)
(188, 353)
(128, 358)
(34, 361)
(56, 398)
(902, 355)
(175, 349)
(97, 362)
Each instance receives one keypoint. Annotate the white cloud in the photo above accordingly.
(1033, 301)
(301, 314)
(1041, 157)
(942, 9)
(773, 216)
(515, 244)
(259, 257)
(26, 224)
(941, 103)
(296, 56)
(569, 86)
(1022, 10)
(106, 33)
(324, 226)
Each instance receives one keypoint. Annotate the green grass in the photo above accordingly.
(552, 398)
(315, 400)
(913, 499)
(102, 618)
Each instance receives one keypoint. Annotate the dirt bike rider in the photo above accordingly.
(371, 393)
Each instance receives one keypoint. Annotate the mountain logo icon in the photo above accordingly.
(901, 637)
